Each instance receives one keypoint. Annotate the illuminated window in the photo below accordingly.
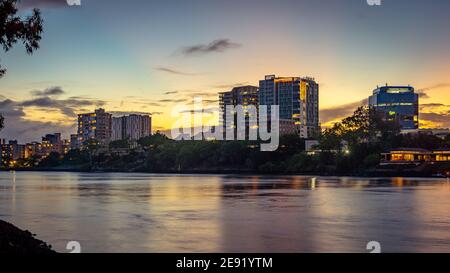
(402, 157)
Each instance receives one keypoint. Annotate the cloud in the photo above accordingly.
(184, 97)
(67, 106)
(201, 94)
(230, 86)
(216, 46)
(125, 113)
(439, 119)
(155, 104)
(434, 107)
(210, 110)
(8, 109)
(172, 100)
(210, 101)
(174, 71)
(145, 103)
(19, 125)
(425, 106)
(24, 130)
(52, 91)
(423, 92)
(435, 115)
(171, 93)
(436, 86)
(193, 93)
(331, 114)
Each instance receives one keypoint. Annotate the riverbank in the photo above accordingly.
(158, 154)
(16, 241)
(369, 174)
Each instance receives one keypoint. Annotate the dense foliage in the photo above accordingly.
(14, 29)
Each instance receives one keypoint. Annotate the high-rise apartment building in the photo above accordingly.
(132, 127)
(117, 132)
(96, 125)
(398, 103)
(298, 100)
(244, 96)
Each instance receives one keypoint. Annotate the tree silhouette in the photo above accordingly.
(1, 122)
(14, 29)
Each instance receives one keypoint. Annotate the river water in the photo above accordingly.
(117, 212)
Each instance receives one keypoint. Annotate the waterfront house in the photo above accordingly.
(415, 156)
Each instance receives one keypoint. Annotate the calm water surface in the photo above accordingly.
(112, 212)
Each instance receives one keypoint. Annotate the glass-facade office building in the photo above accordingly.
(399, 103)
(298, 99)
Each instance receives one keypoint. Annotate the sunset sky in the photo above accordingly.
(147, 56)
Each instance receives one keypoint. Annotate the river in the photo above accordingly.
(121, 212)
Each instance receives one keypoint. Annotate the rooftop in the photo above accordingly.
(393, 89)
(410, 150)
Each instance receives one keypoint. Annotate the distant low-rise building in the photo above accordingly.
(75, 141)
(12, 152)
(34, 149)
(52, 143)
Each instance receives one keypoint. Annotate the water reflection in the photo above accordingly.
(207, 213)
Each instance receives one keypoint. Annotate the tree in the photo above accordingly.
(365, 125)
(76, 157)
(154, 140)
(52, 160)
(14, 29)
(120, 144)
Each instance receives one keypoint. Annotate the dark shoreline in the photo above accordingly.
(234, 172)
(16, 241)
